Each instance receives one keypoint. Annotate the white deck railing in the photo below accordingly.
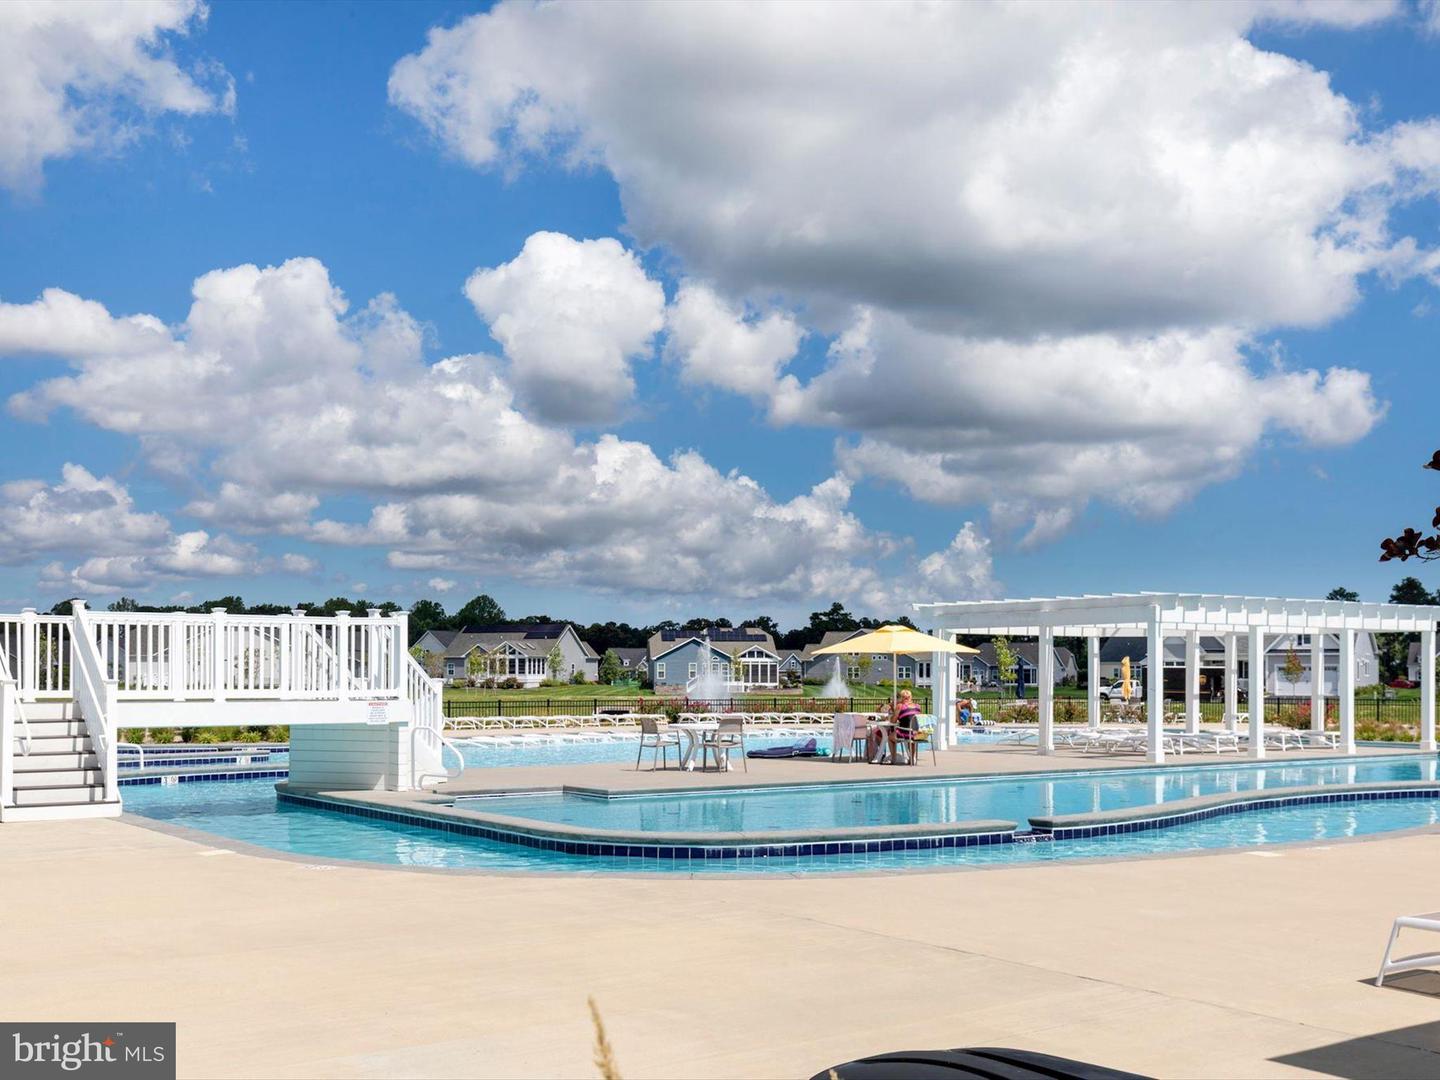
(214, 657)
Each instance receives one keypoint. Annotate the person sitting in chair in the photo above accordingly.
(905, 716)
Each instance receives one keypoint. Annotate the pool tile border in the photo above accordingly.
(616, 849)
(1223, 805)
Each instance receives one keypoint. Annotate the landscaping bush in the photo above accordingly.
(277, 733)
(250, 734)
(577, 678)
(510, 682)
(162, 735)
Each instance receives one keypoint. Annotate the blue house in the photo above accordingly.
(743, 657)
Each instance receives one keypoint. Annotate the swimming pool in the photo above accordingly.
(1003, 798)
(248, 811)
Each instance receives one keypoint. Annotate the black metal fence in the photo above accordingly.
(457, 708)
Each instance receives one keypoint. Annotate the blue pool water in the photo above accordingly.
(248, 811)
(1004, 798)
(488, 752)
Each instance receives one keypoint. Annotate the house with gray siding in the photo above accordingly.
(1212, 663)
(743, 655)
(983, 668)
(521, 651)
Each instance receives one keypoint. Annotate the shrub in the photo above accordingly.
(277, 733)
(510, 682)
(577, 678)
(164, 735)
(250, 734)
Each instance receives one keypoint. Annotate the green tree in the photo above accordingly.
(1004, 660)
(555, 660)
(476, 663)
(865, 662)
(1293, 668)
(426, 615)
(835, 617)
(125, 603)
(765, 623)
(482, 610)
(609, 666)
(1342, 593)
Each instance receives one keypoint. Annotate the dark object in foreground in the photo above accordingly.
(800, 749)
(989, 1061)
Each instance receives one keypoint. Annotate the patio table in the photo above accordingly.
(693, 732)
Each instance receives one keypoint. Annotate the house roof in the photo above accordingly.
(444, 637)
(532, 639)
(662, 641)
(635, 656)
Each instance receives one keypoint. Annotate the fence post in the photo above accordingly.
(179, 661)
(29, 651)
(342, 653)
(217, 675)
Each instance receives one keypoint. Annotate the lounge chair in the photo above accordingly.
(806, 748)
(1389, 966)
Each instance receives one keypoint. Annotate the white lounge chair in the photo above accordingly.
(1390, 966)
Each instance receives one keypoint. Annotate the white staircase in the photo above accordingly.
(60, 776)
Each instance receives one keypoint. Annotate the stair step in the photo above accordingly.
(36, 761)
(50, 710)
(61, 811)
(60, 744)
(47, 728)
(48, 778)
(59, 796)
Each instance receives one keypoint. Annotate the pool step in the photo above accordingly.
(64, 794)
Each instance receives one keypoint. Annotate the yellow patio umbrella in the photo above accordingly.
(895, 640)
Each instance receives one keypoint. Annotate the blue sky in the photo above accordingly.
(391, 192)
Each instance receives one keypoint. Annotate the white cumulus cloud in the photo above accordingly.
(83, 75)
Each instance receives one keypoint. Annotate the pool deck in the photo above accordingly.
(623, 777)
(1235, 964)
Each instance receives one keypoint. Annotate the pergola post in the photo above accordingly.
(1427, 689)
(942, 684)
(1045, 672)
(1092, 680)
(1232, 683)
(1256, 683)
(1192, 681)
(1346, 690)
(1155, 687)
(1317, 682)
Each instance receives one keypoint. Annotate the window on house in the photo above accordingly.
(694, 670)
(904, 672)
(660, 672)
(1302, 639)
(852, 671)
(922, 669)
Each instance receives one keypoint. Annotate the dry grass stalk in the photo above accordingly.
(604, 1052)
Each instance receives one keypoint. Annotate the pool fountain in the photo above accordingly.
(835, 687)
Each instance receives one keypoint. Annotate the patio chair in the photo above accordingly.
(911, 738)
(728, 734)
(657, 742)
(1429, 921)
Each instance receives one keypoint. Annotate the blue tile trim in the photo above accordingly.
(632, 851)
(170, 761)
(192, 778)
(1087, 832)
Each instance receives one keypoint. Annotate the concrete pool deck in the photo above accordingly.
(1234, 964)
(968, 760)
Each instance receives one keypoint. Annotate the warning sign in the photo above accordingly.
(378, 712)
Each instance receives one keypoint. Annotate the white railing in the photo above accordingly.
(9, 705)
(427, 719)
(93, 695)
(215, 657)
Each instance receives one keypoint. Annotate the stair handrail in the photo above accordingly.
(425, 696)
(9, 698)
(93, 694)
(28, 737)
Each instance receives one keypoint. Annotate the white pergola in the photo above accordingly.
(1158, 616)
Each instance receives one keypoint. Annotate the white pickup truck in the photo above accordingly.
(1116, 691)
